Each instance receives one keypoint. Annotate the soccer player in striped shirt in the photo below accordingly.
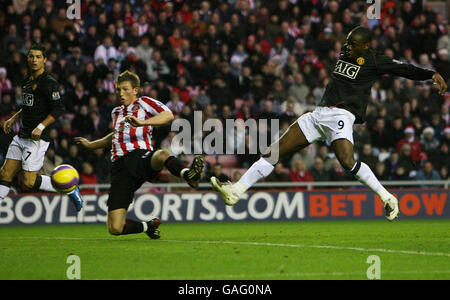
(134, 159)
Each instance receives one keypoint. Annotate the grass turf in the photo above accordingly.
(412, 249)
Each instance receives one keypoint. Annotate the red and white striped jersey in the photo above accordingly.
(127, 138)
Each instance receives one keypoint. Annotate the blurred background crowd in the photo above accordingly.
(233, 59)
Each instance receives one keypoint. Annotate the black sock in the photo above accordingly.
(174, 165)
(5, 183)
(38, 182)
(132, 226)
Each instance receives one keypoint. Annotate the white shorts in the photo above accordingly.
(30, 152)
(327, 123)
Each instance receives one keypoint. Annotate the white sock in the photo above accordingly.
(260, 169)
(4, 190)
(145, 226)
(366, 176)
(46, 184)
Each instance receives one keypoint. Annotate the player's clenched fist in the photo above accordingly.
(36, 134)
(7, 126)
(437, 79)
(135, 122)
(82, 141)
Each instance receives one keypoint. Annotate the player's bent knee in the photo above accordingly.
(159, 157)
(115, 229)
(5, 174)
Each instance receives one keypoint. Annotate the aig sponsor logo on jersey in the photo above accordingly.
(28, 99)
(346, 69)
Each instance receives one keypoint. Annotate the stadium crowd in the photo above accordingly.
(235, 59)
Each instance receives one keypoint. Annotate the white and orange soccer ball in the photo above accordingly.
(65, 178)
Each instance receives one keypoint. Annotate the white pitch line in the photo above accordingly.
(313, 246)
(297, 274)
(251, 244)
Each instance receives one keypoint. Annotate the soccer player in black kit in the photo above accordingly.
(343, 104)
(41, 106)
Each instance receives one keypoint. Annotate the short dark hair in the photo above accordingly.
(129, 76)
(38, 47)
(363, 32)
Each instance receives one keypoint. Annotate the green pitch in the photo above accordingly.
(269, 250)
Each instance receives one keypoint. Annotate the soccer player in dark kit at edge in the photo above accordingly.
(343, 104)
(134, 159)
(41, 106)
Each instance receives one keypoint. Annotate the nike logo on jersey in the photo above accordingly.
(346, 69)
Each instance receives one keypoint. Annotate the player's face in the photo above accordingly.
(126, 93)
(355, 46)
(36, 60)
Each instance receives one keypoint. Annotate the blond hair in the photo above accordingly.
(129, 76)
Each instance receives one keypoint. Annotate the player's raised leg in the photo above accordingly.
(344, 153)
(9, 169)
(292, 140)
(163, 158)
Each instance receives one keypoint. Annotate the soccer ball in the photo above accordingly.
(65, 178)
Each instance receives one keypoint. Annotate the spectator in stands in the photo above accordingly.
(220, 93)
(105, 51)
(361, 137)
(427, 172)
(299, 89)
(443, 172)
(405, 160)
(299, 173)
(278, 174)
(415, 148)
(326, 156)
(74, 159)
(428, 142)
(157, 68)
(368, 157)
(337, 172)
(102, 165)
(5, 84)
(175, 104)
(87, 176)
(83, 123)
(6, 106)
(380, 171)
(379, 136)
(217, 172)
(51, 161)
(442, 157)
(318, 171)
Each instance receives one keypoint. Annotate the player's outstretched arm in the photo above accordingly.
(11, 121)
(162, 118)
(394, 67)
(104, 142)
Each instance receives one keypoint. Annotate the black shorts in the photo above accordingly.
(128, 173)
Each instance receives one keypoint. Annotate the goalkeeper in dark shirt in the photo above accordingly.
(343, 104)
(41, 106)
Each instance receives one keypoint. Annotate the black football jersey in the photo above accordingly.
(352, 79)
(40, 98)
